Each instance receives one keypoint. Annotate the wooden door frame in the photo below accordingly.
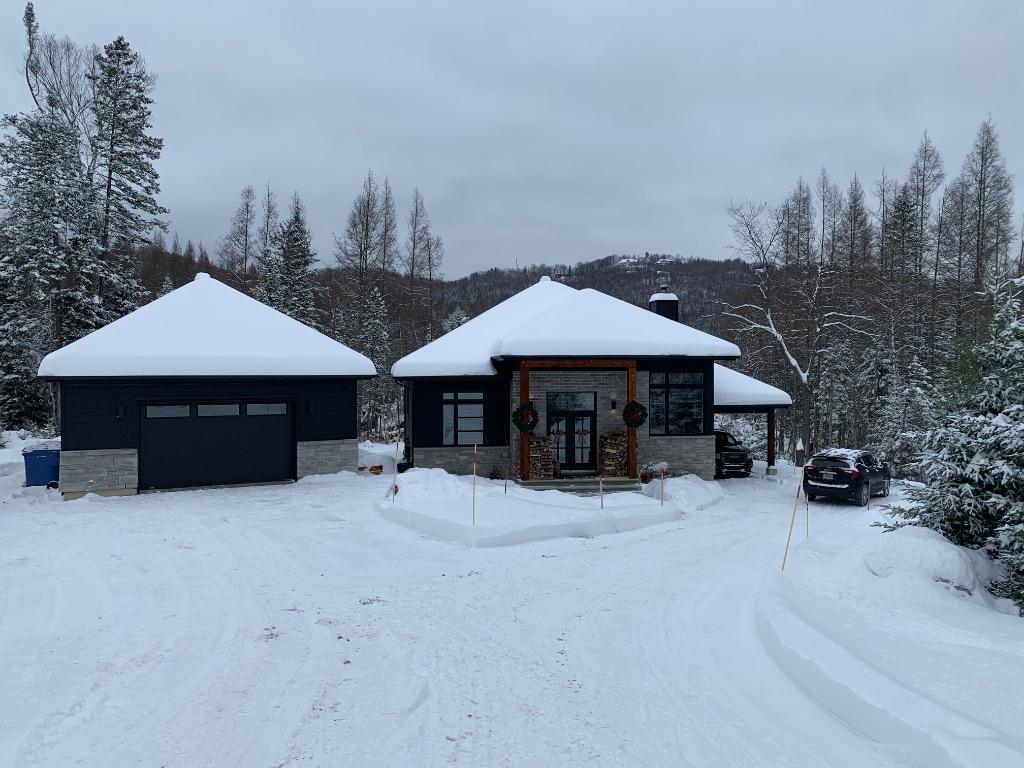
(525, 366)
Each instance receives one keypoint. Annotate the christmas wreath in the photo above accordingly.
(634, 414)
(525, 418)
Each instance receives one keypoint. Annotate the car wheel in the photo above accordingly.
(811, 497)
(864, 498)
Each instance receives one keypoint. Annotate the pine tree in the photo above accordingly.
(126, 180)
(268, 267)
(906, 412)
(456, 318)
(973, 462)
(50, 261)
(373, 339)
(167, 286)
(296, 259)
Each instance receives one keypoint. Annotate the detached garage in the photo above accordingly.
(204, 386)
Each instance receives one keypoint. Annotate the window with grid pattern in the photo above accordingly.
(462, 418)
(677, 403)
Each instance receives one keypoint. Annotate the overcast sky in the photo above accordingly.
(548, 131)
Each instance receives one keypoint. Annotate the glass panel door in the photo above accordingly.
(556, 431)
(571, 423)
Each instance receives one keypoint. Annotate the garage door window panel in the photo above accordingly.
(218, 409)
(167, 411)
(266, 409)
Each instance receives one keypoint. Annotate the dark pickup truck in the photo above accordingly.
(732, 459)
(843, 473)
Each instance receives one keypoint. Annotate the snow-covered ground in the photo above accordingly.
(296, 624)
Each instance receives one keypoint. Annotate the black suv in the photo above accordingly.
(842, 473)
(731, 458)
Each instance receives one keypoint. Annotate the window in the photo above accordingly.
(572, 401)
(462, 418)
(167, 411)
(218, 409)
(266, 409)
(677, 403)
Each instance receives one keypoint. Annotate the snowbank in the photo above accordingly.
(379, 454)
(864, 625)
(440, 505)
(686, 493)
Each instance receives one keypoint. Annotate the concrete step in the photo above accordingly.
(583, 486)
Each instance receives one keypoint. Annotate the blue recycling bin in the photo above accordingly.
(42, 465)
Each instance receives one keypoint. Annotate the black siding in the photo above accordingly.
(105, 414)
(423, 422)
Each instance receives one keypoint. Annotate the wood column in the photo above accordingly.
(630, 431)
(771, 437)
(524, 437)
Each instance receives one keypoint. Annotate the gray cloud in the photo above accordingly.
(549, 131)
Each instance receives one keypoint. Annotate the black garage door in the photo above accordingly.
(187, 444)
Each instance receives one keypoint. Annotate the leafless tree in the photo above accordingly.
(236, 250)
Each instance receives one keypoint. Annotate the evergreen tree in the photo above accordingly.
(373, 339)
(906, 412)
(268, 267)
(49, 265)
(295, 260)
(126, 180)
(456, 318)
(973, 462)
(167, 286)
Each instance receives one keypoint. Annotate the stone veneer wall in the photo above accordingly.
(459, 459)
(694, 455)
(542, 381)
(110, 471)
(324, 457)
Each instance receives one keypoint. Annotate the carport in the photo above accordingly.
(736, 392)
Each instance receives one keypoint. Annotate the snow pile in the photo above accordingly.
(379, 455)
(686, 493)
(440, 505)
(872, 626)
(917, 564)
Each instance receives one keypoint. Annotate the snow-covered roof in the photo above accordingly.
(205, 328)
(663, 297)
(550, 319)
(736, 389)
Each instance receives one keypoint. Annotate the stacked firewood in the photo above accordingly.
(612, 454)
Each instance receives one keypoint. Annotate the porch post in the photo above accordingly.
(630, 431)
(771, 442)
(524, 437)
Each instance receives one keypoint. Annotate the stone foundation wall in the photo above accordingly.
(113, 471)
(325, 457)
(459, 459)
(684, 455)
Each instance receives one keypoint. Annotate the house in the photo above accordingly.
(203, 386)
(577, 364)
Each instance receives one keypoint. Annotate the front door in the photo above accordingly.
(572, 421)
